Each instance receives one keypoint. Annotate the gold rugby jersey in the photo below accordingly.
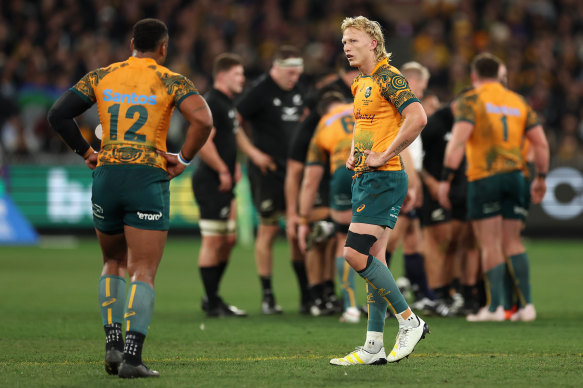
(333, 138)
(500, 118)
(379, 99)
(135, 100)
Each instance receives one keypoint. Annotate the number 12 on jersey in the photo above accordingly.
(131, 134)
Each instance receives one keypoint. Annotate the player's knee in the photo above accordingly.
(358, 245)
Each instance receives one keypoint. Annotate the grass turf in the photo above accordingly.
(51, 334)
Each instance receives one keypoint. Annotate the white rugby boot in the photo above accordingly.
(350, 315)
(484, 315)
(407, 339)
(526, 314)
(361, 357)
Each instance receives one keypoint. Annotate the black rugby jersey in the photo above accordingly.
(434, 137)
(274, 115)
(226, 124)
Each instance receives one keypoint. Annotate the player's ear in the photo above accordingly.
(164, 48)
(373, 44)
(132, 45)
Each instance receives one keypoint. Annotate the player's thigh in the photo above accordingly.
(488, 232)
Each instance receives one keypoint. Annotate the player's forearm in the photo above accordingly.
(293, 179)
(414, 181)
(541, 158)
(245, 144)
(61, 119)
(195, 109)
(310, 183)
(540, 148)
(210, 156)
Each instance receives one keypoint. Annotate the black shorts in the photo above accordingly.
(431, 212)
(267, 191)
(212, 204)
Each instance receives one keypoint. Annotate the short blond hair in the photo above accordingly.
(373, 29)
(410, 68)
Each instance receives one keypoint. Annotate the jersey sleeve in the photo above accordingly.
(179, 87)
(395, 89)
(85, 88)
(464, 111)
(531, 118)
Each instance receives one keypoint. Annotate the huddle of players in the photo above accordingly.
(296, 166)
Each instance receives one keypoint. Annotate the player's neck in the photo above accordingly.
(368, 67)
(223, 89)
(481, 82)
(139, 54)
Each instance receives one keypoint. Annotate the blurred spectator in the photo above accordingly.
(47, 44)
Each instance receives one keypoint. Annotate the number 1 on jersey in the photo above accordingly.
(505, 124)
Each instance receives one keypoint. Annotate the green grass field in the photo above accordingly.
(51, 334)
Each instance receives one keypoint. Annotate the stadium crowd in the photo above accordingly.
(46, 46)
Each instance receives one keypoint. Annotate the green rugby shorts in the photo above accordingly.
(500, 194)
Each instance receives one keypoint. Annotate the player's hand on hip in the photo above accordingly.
(91, 161)
(374, 159)
(350, 162)
(538, 189)
(173, 166)
(303, 232)
(225, 181)
(443, 195)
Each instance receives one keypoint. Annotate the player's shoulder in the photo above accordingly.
(386, 74)
(470, 96)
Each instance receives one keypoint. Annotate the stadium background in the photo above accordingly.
(47, 45)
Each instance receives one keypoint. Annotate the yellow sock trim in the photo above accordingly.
(133, 293)
(107, 287)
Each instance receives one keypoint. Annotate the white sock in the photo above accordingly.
(374, 341)
(412, 321)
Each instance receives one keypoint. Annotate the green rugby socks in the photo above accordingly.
(380, 278)
(112, 291)
(140, 307)
(495, 286)
(521, 270)
(347, 280)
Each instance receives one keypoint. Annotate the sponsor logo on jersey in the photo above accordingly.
(505, 110)
(149, 216)
(276, 102)
(360, 208)
(363, 116)
(110, 95)
(297, 99)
